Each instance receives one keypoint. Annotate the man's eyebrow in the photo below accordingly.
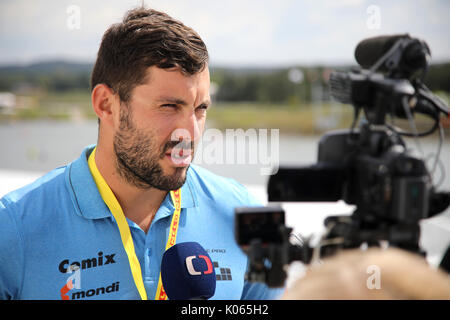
(172, 100)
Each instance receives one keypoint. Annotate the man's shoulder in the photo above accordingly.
(218, 187)
(44, 186)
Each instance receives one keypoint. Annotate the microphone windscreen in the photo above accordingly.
(368, 51)
(187, 272)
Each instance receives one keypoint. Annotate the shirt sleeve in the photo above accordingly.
(11, 256)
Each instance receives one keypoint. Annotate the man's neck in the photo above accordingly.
(138, 205)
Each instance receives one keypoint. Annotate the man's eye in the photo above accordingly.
(169, 105)
(202, 107)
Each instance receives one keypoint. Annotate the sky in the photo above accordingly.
(238, 33)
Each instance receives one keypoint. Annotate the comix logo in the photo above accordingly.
(191, 269)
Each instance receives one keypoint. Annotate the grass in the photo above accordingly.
(289, 119)
(49, 105)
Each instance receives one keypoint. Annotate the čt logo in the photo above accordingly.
(191, 269)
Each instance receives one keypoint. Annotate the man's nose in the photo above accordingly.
(187, 129)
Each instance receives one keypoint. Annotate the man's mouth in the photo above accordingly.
(180, 157)
(179, 153)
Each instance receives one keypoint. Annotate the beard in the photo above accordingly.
(138, 155)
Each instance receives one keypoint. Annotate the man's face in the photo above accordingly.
(168, 108)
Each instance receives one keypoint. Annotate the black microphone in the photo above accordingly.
(415, 53)
(187, 272)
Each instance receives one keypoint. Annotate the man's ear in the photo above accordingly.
(103, 101)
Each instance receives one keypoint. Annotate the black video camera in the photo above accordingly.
(369, 166)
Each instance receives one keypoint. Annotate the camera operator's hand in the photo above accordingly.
(372, 274)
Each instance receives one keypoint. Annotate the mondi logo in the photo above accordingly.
(191, 269)
(114, 287)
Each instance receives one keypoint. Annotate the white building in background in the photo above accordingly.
(7, 101)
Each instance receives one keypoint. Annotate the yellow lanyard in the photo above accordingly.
(124, 229)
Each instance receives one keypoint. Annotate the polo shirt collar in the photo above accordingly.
(87, 199)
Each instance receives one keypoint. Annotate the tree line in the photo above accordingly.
(294, 85)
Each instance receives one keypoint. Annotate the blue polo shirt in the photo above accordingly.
(59, 228)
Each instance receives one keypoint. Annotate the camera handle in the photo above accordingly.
(356, 231)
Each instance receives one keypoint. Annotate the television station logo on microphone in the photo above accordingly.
(199, 267)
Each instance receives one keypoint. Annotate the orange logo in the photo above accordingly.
(64, 290)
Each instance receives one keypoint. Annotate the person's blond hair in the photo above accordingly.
(351, 275)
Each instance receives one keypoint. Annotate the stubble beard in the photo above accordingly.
(137, 157)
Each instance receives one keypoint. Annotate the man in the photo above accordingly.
(68, 234)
